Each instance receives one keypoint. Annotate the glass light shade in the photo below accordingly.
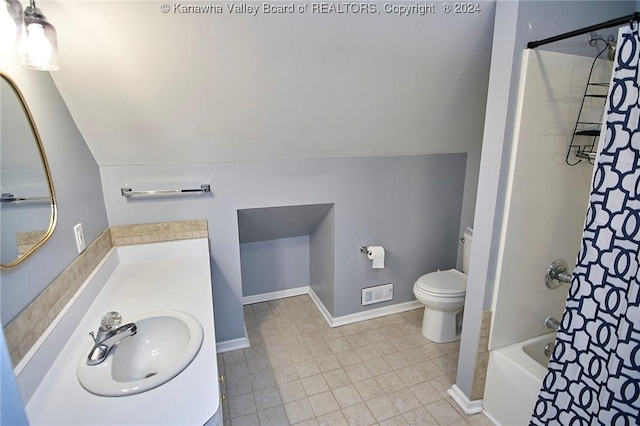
(39, 46)
(10, 23)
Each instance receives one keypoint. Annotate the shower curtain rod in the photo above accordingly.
(635, 16)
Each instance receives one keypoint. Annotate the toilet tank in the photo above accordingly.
(466, 249)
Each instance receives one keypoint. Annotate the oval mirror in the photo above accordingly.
(28, 204)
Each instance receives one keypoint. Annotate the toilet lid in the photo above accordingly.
(443, 282)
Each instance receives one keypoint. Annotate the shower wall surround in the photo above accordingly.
(27, 327)
(546, 199)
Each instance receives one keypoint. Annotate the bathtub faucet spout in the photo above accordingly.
(552, 323)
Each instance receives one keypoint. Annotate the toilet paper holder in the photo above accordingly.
(363, 249)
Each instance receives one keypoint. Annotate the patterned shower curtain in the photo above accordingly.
(594, 372)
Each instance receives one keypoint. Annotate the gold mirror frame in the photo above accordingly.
(47, 172)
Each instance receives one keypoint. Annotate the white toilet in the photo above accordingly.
(443, 294)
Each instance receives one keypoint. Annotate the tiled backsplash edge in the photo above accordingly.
(25, 329)
(482, 358)
(155, 232)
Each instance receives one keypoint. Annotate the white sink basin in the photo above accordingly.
(165, 344)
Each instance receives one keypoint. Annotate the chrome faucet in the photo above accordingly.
(552, 323)
(109, 333)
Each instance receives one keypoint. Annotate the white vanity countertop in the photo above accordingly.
(148, 278)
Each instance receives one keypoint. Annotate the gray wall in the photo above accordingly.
(78, 189)
(274, 265)
(517, 23)
(470, 194)
(322, 248)
(410, 205)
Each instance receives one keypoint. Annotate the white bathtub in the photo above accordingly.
(514, 377)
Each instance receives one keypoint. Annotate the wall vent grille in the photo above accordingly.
(377, 294)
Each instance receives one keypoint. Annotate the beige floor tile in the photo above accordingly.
(426, 393)
(432, 350)
(446, 363)
(442, 384)
(327, 363)
(420, 417)
(291, 391)
(299, 371)
(299, 410)
(359, 415)
(397, 360)
(308, 422)
(347, 396)
(247, 420)
(365, 325)
(273, 416)
(263, 380)
(348, 329)
(300, 354)
(377, 366)
(314, 384)
(390, 382)
(394, 421)
(429, 370)
(255, 365)
(241, 405)
(415, 355)
(404, 400)
(374, 335)
(478, 420)
(338, 345)
(267, 398)
(348, 357)
(336, 378)
(385, 348)
(367, 352)
(369, 389)
(410, 376)
(286, 374)
(320, 349)
(382, 408)
(333, 419)
(323, 403)
(233, 356)
(356, 340)
(307, 369)
(443, 412)
(237, 386)
(357, 372)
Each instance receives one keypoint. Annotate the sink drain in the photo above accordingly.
(150, 375)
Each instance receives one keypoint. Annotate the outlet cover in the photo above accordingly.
(79, 234)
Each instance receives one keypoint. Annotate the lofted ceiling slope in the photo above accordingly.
(147, 87)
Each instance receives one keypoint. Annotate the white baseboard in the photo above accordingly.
(233, 344)
(323, 309)
(265, 297)
(467, 405)
(362, 316)
(377, 313)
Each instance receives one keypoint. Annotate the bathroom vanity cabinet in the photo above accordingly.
(133, 280)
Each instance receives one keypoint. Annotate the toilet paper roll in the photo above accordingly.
(376, 254)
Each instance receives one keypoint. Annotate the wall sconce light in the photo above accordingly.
(31, 33)
(11, 23)
(38, 44)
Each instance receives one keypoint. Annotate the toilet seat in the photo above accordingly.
(449, 283)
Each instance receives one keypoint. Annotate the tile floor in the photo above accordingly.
(300, 371)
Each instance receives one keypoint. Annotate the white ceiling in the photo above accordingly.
(147, 87)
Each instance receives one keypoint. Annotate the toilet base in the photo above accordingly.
(440, 326)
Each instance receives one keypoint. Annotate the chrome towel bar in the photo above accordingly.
(8, 197)
(128, 192)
